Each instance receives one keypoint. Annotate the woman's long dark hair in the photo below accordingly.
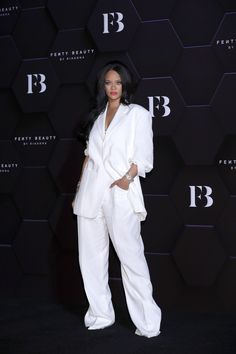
(101, 97)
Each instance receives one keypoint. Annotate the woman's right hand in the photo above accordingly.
(122, 183)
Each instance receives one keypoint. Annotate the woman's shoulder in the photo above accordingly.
(137, 108)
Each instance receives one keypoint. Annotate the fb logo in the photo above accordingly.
(36, 80)
(160, 104)
(112, 18)
(199, 192)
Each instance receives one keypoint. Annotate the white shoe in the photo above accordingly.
(99, 326)
(146, 334)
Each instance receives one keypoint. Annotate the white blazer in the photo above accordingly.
(128, 139)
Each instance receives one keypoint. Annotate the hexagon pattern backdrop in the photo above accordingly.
(182, 54)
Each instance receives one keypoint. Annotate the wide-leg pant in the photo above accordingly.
(117, 219)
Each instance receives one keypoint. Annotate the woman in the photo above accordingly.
(109, 202)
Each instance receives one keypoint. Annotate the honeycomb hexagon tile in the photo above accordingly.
(65, 165)
(196, 21)
(226, 162)
(10, 166)
(35, 85)
(224, 42)
(10, 114)
(35, 193)
(159, 44)
(199, 195)
(153, 10)
(76, 15)
(197, 86)
(64, 224)
(36, 237)
(113, 26)
(198, 136)
(72, 54)
(9, 225)
(223, 103)
(161, 238)
(199, 256)
(9, 61)
(166, 167)
(34, 139)
(163, 100)
(67, 114)
(41, 28)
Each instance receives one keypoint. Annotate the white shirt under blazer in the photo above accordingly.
(128, 139)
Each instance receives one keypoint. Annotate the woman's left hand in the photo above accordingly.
(123, 183)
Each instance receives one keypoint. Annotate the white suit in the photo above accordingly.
(103, 210)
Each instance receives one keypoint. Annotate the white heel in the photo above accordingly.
(98, 326)
(146, 334)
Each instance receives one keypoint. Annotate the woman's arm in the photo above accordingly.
(127, 178)
(143, 144)
(142, 160)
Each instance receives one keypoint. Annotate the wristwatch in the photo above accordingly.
(129, 177)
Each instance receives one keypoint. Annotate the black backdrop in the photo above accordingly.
(183, 56)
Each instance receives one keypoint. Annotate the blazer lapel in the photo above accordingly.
(120, 113)
(101, 123)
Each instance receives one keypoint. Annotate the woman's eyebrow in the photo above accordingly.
(114, 80)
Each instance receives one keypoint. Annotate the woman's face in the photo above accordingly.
(113, 85)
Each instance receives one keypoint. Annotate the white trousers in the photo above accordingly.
(117, 219)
